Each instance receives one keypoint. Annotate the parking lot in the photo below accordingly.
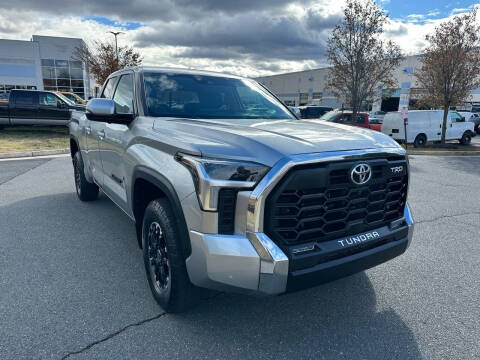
(73, 286)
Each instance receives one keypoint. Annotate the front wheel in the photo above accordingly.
(466, 138)
(164, 262)
(86, 191)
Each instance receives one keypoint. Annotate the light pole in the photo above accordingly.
(116, 33)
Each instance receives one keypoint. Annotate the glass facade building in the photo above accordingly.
(63, 75)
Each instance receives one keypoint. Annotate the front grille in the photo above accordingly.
(317, 203)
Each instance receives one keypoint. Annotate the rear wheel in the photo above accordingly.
(164, 262)
(86, 191)
(420, 140)
(466, 138)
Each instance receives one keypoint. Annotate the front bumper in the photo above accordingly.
(253, 263)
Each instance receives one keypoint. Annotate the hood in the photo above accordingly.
(268, 141)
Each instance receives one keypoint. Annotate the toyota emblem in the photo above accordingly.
(361, 174)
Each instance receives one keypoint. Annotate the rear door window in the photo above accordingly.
(26, 98)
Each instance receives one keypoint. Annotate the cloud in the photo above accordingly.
(246, 37)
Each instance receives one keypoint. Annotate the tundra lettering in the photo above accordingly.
(359, 238)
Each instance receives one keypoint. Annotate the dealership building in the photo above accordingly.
(310, 88)
(43, 63)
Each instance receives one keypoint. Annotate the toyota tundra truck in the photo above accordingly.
(230, 191)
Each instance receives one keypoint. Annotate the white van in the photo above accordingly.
(426, 125)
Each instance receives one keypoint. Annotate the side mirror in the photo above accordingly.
(103, 110)
(463, 118)
(60, 104)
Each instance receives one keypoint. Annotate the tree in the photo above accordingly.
(451, 64)
(101, 58)
(360, 58)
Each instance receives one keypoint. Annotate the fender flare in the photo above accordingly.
(162, 183)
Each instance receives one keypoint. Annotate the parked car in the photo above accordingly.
(313, 112)
(34, 107)
(4, 97)
(295, 110)
(345, 117)
(472, 117)
(426, 125)
(229, 191)
(72, 97)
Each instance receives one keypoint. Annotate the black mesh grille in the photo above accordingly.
(320, 203)
(226, 211)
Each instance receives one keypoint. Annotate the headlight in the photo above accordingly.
(210, 175)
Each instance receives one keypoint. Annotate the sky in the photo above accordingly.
(245, 37)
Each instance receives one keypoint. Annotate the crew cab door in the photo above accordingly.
(95, 133)
(113, 145)
(52, 110)
(24, 108)
(455, 126)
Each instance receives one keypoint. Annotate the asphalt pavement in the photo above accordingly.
(72, 283)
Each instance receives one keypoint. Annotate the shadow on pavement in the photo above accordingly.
(77, 268)
(338, 319)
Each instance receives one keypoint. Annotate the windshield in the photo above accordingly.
(64, 98)
(209, 97)
(330, 116)
(69, 97)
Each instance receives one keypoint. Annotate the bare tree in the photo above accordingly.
(360, 58)
(101, 58)
(451, 64)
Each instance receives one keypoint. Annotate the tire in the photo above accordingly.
(466, 138)
(420, 141)
(164, 261)
(86, 191)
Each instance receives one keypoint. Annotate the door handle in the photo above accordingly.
(101, 134)
(88, 129)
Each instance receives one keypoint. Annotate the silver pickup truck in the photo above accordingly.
(230, 191)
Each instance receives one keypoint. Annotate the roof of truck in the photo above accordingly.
(175, 71)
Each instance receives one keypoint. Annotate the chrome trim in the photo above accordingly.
(407, 214)
(273, 264)
(209, 188)
(256, 203)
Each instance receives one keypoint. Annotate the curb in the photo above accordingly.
(35, 153)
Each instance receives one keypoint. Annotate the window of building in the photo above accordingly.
(63, 75)
(6, 88)
(317, 96)
(48, 62)
(303, 98)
